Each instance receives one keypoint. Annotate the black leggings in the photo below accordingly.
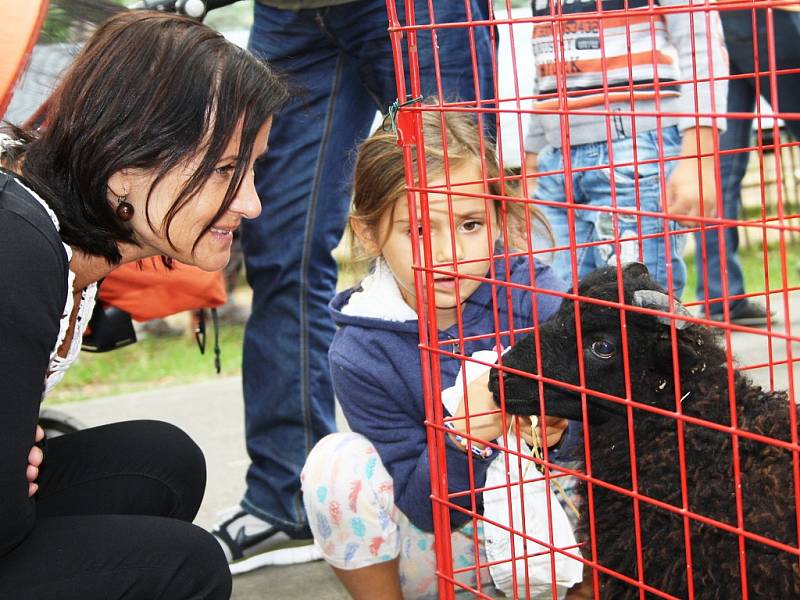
(114, 512)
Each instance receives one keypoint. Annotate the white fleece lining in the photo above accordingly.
(379, 297)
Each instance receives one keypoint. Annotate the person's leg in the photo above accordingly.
(288, 398)
(454, 78)
(350, 502)
(132, 467)
(732, 170)
(110, 557)
(637, 188)
(113, 521)
(303, 182)
(340, 59)
(371, 545)
(741, 42)
(741, 99)
(551, 187)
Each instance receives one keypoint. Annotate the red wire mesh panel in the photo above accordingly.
(646, 156)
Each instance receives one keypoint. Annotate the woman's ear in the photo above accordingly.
(365, 235)
(119, 184)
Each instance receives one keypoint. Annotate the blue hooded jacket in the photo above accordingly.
(377, 377)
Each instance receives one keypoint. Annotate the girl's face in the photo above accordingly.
(212, 251)
(463, 241)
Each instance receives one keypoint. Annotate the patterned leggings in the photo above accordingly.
(351, 510)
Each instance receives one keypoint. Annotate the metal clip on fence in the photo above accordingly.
(399, 122)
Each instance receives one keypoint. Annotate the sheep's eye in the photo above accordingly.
(602, 349)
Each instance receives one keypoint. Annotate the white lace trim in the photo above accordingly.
(58, 364)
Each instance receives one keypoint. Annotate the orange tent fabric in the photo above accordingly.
(19, 29)
(151, 291)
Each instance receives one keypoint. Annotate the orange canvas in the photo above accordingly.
(19, 29)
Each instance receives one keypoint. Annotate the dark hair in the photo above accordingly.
(149, 91)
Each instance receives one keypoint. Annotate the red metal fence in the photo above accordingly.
(616, 64)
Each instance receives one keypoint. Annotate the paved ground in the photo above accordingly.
(211, 412)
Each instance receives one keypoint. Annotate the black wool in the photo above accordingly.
(652, 349)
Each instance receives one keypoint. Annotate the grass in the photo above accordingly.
(752, 259)
(148, 363)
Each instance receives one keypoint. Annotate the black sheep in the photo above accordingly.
(767, 475)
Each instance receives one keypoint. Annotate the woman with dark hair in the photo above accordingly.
(146, 148)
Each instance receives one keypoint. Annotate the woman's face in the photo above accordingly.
(212, 251)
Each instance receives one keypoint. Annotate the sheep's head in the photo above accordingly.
(649, 344)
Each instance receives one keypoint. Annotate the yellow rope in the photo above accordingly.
(536, 451)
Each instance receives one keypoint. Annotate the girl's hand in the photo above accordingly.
(35, 458)
(554, 430)
(487, 422)
(486, 419)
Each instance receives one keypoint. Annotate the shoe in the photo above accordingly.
(250, 543)
(745, 313)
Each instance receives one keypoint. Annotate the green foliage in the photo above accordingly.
(68, 20)
(752, 259)
(232, 17)
(150, 362)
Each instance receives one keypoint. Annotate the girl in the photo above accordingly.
(367, 492)
(147, 149)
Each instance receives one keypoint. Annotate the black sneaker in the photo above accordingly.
(250, 543)
(746, 313)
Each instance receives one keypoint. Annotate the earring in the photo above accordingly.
(124, 209)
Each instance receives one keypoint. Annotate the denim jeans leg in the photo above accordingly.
(551, 188)
(340, 61)
(289, 402)
(738, 26)
(740, 42)
(741, 98)
(636, 185)
(452, 66)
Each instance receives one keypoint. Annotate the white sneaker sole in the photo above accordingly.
(284, 556)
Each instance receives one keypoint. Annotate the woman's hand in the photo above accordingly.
(35, 458)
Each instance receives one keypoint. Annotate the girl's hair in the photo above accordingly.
(149, 91)
(379, 179)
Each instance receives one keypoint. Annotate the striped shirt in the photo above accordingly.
(600, 68)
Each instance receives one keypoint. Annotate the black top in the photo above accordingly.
(34, 268)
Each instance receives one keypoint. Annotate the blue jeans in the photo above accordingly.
(634, 189)
(340, 61)
(739, 38)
